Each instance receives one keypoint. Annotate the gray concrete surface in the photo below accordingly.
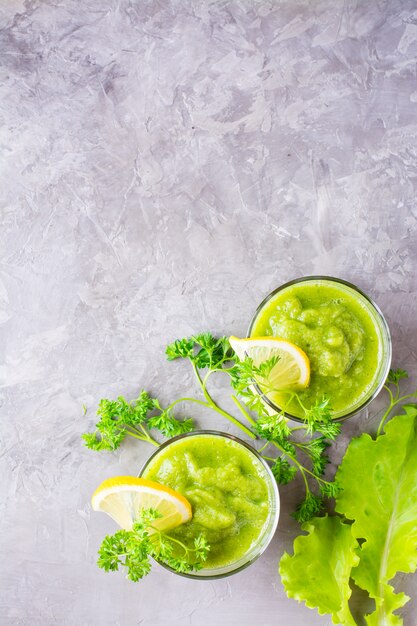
(164, 165)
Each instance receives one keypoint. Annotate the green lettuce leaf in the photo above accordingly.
(318, 572)
(378, 478)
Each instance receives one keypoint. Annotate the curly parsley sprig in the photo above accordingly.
(207, 356)
(119, 419)
(134, 548)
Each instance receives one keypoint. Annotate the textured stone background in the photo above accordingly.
(165, 164)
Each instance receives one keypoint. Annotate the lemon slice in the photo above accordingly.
(292, 370)
(123, 497)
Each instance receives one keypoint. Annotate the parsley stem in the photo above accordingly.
(212, 405)
(184, 547)
(409, 395)
(296, 462)
(243, 410)
(390, 394)
(200, 382)
(320, 480)
(290, 456)
(302, 469)
(141, 426)
(391, 405)
(187, 400)
(232, 419)
(145, 432)
(147, 437)
(394, 400)
(153, 441)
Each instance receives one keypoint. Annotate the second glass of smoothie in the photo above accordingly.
(344, 335)
(233, 493)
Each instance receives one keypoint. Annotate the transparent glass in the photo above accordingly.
(380, 325)
(270, 525)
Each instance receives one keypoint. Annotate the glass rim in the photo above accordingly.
(274, 510)
(384, 329)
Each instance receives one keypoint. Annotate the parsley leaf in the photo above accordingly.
(119, 418)
(394, 376)
(204, 350)
(316, 449)
(392, 386)
(275, 428)
(308, 508)
(319, 415)
(330, 489)
(283, 471)
(168, 425)
(180, 349)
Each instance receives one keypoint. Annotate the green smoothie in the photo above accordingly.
(341, 333)
(228, 488)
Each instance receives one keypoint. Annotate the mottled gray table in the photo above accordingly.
(164, 165)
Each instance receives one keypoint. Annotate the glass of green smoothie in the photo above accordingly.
(233, 493)
(344, 335)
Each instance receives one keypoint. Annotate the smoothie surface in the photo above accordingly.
(337, 330)
(227, 487)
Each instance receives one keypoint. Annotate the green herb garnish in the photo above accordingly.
(392, 387)
(209, 355)
(119, 418)
(134, 548)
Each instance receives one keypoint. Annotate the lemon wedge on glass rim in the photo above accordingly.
(292, 369)
(123, 497)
